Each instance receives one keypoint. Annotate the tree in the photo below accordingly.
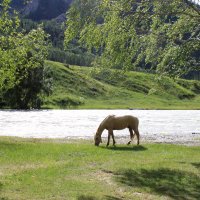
(173, 42)
(21, 62)
(139, 33)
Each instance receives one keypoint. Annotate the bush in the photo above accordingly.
(58, 55)
(68, 101)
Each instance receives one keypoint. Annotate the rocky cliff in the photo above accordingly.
(41, 9)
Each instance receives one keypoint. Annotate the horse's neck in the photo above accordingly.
(100, 129)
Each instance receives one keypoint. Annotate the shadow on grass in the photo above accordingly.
(112, 198)
(172, 183)
(197, 165)
(1, 186)
(125, 148)
(85, 197)
(9, 145)
(2, 198)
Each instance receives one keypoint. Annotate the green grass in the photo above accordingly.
(48, 169)
(90, 88)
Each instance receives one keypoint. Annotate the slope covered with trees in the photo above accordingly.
(51, 14)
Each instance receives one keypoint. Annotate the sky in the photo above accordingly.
(196, 1)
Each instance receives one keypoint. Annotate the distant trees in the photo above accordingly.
(22, 56)
(56, 52)
(161, 35)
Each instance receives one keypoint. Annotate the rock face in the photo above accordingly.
(31, 7)
(41, 9)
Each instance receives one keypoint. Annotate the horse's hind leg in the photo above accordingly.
(113, 139)
(138, 136)
(131, 135)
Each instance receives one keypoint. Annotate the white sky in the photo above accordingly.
(196, 1)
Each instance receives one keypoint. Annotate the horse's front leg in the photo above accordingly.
(108, 142)
(111, 133)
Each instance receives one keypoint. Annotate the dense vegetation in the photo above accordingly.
(161, 35)
(22, 55)
(56, 52)
(88, 87)
(119, 36)
(148, 36)
(44, 169)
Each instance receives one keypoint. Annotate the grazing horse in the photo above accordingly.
(113, 122)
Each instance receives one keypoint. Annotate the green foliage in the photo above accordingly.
(81, 59)
(160, 34)
(21, 62)
(56, 52)
(78, 17)
(174, 39)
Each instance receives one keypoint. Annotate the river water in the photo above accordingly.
(176, 126)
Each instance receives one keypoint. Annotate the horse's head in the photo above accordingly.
(97, 139)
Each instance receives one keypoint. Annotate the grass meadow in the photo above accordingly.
(47, 169)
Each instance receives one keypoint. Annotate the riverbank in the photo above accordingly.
(194, 140)
(76, 169)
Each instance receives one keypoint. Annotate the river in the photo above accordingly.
(173, 126)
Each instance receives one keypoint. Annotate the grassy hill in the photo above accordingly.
(86, 87)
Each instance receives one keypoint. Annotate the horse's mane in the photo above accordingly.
(103, 122)
(109, 116)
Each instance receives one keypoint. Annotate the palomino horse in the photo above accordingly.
(113, 122)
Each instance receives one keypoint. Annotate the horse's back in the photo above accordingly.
(121, 122)
(127, 118)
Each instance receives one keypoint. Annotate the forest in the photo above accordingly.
(151, 36)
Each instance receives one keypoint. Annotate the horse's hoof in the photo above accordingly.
(129, 143)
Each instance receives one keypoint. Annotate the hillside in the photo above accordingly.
(84, 87)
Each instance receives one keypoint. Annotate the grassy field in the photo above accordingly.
(47, 169)
(90, 88)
